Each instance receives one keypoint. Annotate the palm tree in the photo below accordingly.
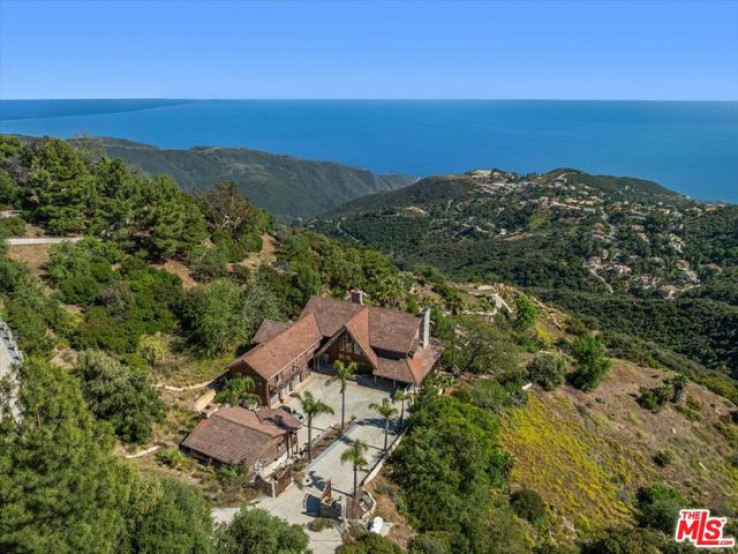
(401, 395)
(389, 292)
(238, 390)
(387, 411)
(343, 372)
(311, 407)
(355, 455)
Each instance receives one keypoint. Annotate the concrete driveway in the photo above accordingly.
(298, 501)
(358, 398)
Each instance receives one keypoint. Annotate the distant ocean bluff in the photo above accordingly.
(691, 147)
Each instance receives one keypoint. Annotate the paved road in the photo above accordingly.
(41, 240)
(8, 357)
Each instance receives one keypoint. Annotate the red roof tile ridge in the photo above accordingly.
(358, 328)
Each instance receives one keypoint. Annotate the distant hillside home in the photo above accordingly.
(258, 440)
(385, 344)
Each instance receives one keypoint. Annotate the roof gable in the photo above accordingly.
(392, 331)
(331, 314)
(388, 329)
(236, 435)
(358, 328)
(268, 330)
(271, 357)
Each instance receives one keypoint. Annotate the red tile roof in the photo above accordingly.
(331, 314)
(411, 370)
(236, 435)
(358, 328)
(271, 357)
(393, 331)
(376, 330)
(388, 330)
(273, 422)
(423, 361)
(268, 330)
(396, 370)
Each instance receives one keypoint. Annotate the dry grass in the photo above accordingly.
(265, 256)
(181, 271)
(35, 256)
(386, 495)
(587, 453)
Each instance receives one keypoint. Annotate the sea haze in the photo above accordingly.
(691, 147)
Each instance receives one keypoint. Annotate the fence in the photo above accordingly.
(274, 486)
(383, 458)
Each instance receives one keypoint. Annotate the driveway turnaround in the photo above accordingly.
(298, 503)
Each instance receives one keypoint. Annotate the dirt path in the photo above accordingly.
(42, 240)
(607, 285)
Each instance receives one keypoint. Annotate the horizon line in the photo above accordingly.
(368, 99)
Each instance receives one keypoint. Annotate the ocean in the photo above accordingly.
(690, 147)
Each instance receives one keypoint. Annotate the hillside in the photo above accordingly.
(589, 453)
(287, 186)
(628, 255)
(125, 329)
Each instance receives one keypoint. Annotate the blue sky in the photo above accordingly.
(557, 50)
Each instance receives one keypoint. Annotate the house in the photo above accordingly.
(259, 440)
(385, 344)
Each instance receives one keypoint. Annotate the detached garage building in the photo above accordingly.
(259, 440)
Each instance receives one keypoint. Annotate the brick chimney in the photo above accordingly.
(357, 296)
(425, 327)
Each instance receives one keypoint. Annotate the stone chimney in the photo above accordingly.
(425, 327)
(357, 296)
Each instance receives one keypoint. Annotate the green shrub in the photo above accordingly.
(171, 457)
(9, 190)
(320, 524)
(659, 507)
(548, 370)
(654, 399)
(99, 330)
(12, 227)
(625, 540)
(210, 265)
(370, 543)
(662, 458)
(488, 394)
(528, 504)
(153, 350)
(592, 365)
(175, 520)
(29, 327)
(120, 395)
(256, 531)
(431, 543)
(236, 391)
(82, 290)
(213, 319)
(526, 313)
(693, 403)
